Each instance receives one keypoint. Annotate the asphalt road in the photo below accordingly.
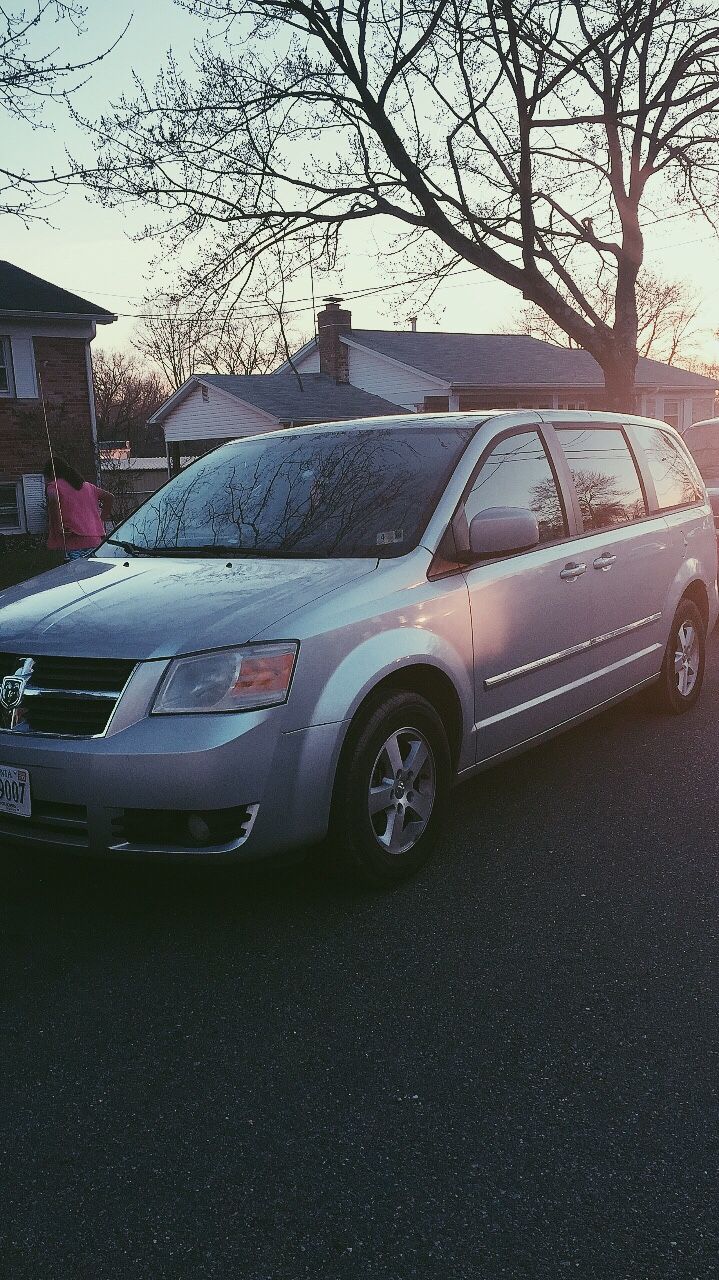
(506, 1068)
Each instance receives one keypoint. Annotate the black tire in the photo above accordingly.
(363, 840)
(666, 694)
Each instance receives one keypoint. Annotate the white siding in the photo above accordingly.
(679, 410)
(372, 373)
(33, 486)
(23, 363)
(218, 418)
(309, 363)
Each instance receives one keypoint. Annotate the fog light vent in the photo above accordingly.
(170, 830)
(199, 829)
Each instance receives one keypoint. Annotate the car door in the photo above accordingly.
(531, 611)
(628, 549)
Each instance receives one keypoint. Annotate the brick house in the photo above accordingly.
(45, 386)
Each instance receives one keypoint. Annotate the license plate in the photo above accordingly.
(15, 791)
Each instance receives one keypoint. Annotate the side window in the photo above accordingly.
(675, 480)
(605, 476)
(517, 474)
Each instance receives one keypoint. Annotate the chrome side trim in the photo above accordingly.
(492, 682)
(40, 691)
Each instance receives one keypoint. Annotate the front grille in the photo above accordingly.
(51, 823)
(73, 697)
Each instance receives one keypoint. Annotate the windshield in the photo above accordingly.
(703, 445)
(339, 493)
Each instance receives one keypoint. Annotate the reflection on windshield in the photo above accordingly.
(341, 493)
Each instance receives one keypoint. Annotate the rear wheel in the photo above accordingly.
(682, 673)
(391, 789)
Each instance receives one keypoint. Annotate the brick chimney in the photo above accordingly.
(334, 356)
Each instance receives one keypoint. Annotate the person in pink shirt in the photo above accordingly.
(76, 510)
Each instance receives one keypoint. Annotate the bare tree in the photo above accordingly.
(666, 318)
(531, 141)
(126, 396)
(32, 75)
(182, 338)
(170, 336)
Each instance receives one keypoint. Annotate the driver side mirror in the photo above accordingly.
(498, 531)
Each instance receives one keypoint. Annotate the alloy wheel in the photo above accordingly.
(402, 790)
(686, 658)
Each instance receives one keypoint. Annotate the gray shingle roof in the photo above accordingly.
(322, 399)
(510, 360)
(22, 292)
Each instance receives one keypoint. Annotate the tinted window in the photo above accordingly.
(703, 444)
(605, 476)
(517, 474)
(326, 493)
(672, 473)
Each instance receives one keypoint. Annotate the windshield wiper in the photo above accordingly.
(132, 550)
(216, 549)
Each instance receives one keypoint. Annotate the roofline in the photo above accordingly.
(296, 355)
(263, 413)
(176, 398)
(652, 388)
(100, 317)
(399, 364)
(198, 381)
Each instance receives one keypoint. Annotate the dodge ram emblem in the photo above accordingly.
(13, 687)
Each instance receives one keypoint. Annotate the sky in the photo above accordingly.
(94, 251)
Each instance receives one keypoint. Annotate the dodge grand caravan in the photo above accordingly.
(320, 630)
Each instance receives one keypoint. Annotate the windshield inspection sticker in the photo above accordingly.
(388, 536)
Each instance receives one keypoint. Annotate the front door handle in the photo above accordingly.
(605, 561)
(572, 570)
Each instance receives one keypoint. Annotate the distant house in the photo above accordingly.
(210, 408)
(345, 373)
(45, 388)
(429, 371)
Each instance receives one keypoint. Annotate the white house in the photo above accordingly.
(345, 373)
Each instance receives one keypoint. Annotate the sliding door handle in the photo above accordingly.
(572, 570)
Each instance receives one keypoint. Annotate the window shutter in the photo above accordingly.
(33, 487)
(23, 363)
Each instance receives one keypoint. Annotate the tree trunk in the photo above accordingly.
(619, 375)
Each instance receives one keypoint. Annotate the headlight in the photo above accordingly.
(257, 675)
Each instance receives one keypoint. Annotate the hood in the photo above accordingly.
(155, 608)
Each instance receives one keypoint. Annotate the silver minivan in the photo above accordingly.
(320, 630)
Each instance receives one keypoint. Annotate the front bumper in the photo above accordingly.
(278, 781)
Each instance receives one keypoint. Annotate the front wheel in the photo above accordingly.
(682, 673)
(391, 789)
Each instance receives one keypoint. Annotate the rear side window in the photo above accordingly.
(675, 480)
(605, 476)
(517, 474)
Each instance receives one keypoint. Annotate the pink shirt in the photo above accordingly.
(81, 516)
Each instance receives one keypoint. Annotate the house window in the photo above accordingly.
(671, 413)
(572, 404)
(6, 379)
(10, 505)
